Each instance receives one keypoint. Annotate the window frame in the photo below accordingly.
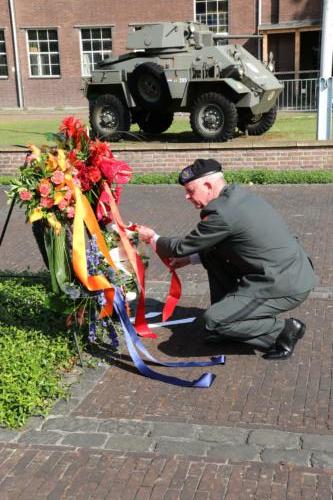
(4, 77)
(39, 52)
(91, 39)
(218, 31)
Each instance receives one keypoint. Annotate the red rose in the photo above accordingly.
(94, 174)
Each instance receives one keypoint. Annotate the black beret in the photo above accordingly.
(200, 168)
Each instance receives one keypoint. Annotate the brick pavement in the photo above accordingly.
(263, 430)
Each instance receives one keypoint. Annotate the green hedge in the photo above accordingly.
(242, 176)
(246, 176)
(34, 349)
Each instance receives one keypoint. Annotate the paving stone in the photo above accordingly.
(173, 429)
(322, 459)
(63, 407)
(297, 457)
(224, 435)
(40, 437)
(70, 424)
(34, 422)
(81, 388)
(130, 443)
(317, 442)
(274, 439)
(7, 435)
(132, 428)
(182, 447)
(236, 453)
(85, 439)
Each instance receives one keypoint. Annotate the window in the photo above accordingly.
(43, 52)
(96, 44)
(214, 13)
(3, 56)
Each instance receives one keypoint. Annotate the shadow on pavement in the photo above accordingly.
(187, 340)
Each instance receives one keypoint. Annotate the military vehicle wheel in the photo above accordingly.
(258, 124)
(154, 122)
(149, 87)
(109, 118)
(213, 117)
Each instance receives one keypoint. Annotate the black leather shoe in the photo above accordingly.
(286, 341)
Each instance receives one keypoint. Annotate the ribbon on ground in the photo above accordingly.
(134, 345)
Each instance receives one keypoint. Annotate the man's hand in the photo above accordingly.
(146, 234)
(177, 262)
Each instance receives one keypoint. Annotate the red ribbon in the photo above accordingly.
(174, 294)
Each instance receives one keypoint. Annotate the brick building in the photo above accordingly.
(46, 46)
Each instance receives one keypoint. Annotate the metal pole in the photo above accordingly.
(7, 219)
(259, 13)
(16, 56)
(324, 114)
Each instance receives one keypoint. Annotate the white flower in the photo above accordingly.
(118, 255)
(130, 296)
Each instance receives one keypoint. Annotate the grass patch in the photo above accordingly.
(35, 349)
(6, 180)
(19, 130)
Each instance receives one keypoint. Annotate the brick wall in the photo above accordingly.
(173, 157)
(66, 17)
(292, 10)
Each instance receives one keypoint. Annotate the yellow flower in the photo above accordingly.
(58, 196)
(53, 221)
(62, 159)
(52, 162)
(36, 214)
(34, 151)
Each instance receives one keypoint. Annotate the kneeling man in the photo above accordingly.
(256, 267)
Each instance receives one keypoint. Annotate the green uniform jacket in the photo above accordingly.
(251, 240)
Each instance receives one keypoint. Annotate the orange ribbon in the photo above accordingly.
(84, 215)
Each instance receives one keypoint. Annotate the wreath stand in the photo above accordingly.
(3, 232)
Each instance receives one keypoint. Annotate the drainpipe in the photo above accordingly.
(324, 114)
(19, 88)
(259, 21)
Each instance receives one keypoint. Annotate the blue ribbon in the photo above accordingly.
(134, 345)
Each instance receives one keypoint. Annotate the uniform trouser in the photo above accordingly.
(240, 318)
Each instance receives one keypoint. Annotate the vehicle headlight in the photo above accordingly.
(271, 95)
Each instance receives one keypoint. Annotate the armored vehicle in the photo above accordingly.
(177, 66)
